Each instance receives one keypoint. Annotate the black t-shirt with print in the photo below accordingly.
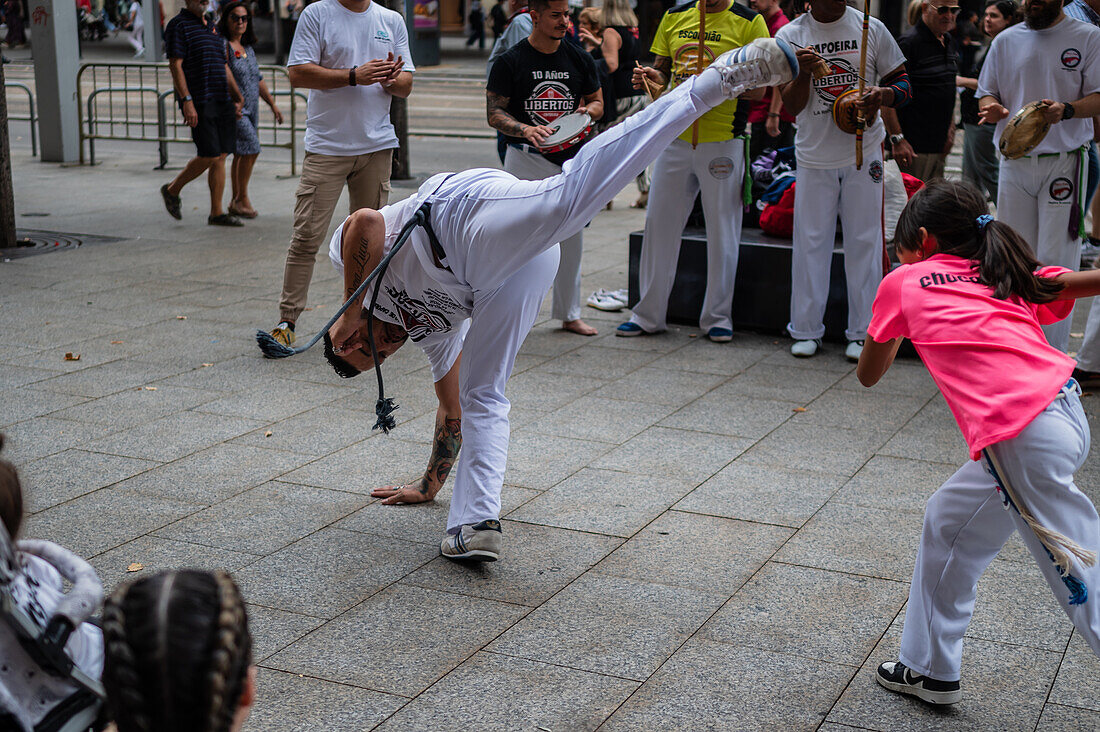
(541, 87)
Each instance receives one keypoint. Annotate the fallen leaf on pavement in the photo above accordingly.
(268, 433)
(135, 567)
(70, 356)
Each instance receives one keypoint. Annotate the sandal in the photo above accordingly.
(242, 213)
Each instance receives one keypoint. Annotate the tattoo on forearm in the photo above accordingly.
(495, 111)
(358, 266)
(445, 447)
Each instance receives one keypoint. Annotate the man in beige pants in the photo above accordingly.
(353, 55)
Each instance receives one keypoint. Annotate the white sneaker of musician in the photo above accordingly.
(764, 62)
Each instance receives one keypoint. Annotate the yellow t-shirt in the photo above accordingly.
(678, 39)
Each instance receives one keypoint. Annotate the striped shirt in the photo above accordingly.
(1081, 11)
(203, 52)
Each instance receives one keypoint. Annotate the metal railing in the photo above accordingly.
(135, 102)
(32, 117)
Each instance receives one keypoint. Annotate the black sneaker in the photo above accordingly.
(896, 676)
(171, 202)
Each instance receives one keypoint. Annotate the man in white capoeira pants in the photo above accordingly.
(714, 168)
(826, 177)
(1055, 58)
(534, 83)
(471, 281)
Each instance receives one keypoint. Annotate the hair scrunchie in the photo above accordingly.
(983, 221)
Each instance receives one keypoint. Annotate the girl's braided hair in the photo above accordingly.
(177, 652)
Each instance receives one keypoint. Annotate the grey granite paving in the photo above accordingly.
(697, 536)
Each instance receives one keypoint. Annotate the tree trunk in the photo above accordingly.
(7, 193)
(399, 116)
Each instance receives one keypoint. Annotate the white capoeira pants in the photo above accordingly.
(716, 171)
(966, 524)
(1036, 196)
(567, 285)
(497, 232)
(1088, 356)
(819, 196)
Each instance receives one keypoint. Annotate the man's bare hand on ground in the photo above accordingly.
(416, 492)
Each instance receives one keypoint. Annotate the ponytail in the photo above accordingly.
(956, 214)
(1005, 263)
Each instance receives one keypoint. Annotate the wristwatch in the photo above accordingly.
(351, 76)
(1068, 111)
(895, 139)
(181, 100)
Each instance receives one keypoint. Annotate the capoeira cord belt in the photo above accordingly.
(1059, 547)
(384, 407)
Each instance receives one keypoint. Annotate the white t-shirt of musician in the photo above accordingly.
(1060, 63)
(819, 143)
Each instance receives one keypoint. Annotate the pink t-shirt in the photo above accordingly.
(988, 356)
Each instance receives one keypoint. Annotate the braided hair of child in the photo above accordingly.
(177, 652)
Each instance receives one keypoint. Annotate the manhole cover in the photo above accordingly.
(30, 241)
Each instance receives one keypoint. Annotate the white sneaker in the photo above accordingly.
(805, 349)
(853, 351)
(603, 300)
(764, 62)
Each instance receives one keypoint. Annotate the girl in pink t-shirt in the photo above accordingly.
(973, 299)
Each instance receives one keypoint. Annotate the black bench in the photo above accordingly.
(762, 293)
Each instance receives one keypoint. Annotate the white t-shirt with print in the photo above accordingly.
(819, 143)
(1060, 63)
(435, 314)
(350, 120)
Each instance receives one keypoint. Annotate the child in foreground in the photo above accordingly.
(179, 654)
(972, 299)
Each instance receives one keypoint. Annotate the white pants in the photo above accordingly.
(716, 171)
(966, 524)
(567, 285)
(1036, 196)
(496, 234)
(820, 195)
(1088, 356)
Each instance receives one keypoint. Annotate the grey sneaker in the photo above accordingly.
(764, 62)
(476, 542)
(896, 676)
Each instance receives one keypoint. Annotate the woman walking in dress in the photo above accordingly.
(236, 27)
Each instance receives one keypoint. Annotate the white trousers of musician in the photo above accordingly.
(1088, 355)
(493, 228)
(567, 285)
(716, 171)
(820, 195)
(1036, 196)
(966, 524)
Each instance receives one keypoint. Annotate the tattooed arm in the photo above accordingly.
(445, 447)
(496, 110)
(362, 243)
